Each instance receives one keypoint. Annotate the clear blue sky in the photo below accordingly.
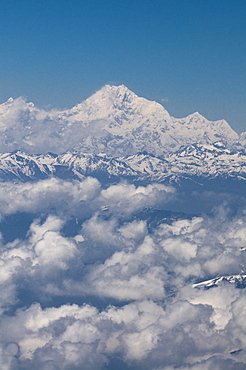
(188, 54)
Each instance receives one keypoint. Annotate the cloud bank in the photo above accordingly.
(117, 292)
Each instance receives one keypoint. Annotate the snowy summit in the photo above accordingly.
(114, 121)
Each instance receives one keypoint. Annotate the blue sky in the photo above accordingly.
(188, 55)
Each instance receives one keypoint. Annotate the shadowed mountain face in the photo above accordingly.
(114, 121)
(208, 161)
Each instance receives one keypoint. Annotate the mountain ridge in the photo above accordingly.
(205, 161)
(114, 120)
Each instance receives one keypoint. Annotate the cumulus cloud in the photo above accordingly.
(120, 287)
(76, 334)
(43, 254)
(47, 195)
(125, 198)
(129, 275)
(76, 197)
(45, 246)
(142, 332)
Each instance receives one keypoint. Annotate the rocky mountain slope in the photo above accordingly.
(207, 161)
(238, 280)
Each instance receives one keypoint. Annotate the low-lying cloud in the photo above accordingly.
(75, 197)
(119, 290)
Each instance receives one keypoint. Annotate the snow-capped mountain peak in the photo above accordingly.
(210, 130)
(119, 105)
(238, 280)
(114, 120)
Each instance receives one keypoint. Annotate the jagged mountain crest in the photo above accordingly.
(119, 107)
(238, 280)
(114, 120)
(195, 160)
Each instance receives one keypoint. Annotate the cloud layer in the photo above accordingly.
(119, 288)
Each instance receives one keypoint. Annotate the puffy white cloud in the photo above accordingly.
(208, 244)
(45, 246)
(142, 332)
(44, 253)
(54, 250)
(130, 274)
(179, 249)
(125, 198)
(156, 319)
(220, 298)
(82, 333)
(47, 195)
(79, 197)
(134, 230)
(101, 231)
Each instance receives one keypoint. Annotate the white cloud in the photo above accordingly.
(125, 275)
(46, 195)
(220, 298)
(125, 198)
(179, 249)
(116, 257)
(75, 335)
(135, 230)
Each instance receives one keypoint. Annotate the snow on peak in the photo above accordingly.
(112, 93)
(122, 98)
(205, 130)
(196, 115)
(119, 90)
(114, 120)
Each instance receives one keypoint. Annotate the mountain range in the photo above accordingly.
(116, 133)
(114, 121)
(195, 160)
